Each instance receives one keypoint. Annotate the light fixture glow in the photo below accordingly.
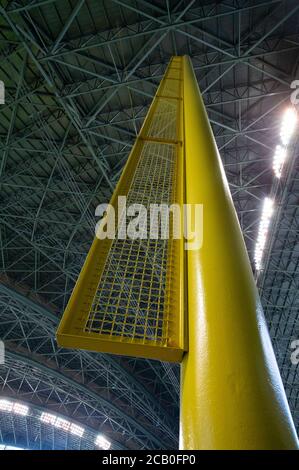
(76, 430)
(17, 408)
(20, 409)
(279, 159)
(7, 447)
(48, 418)
(102, 442)
(62, 423)
(288, 125)
(263, 231)
(5, 405)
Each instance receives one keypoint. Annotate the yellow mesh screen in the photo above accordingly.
(128, 298)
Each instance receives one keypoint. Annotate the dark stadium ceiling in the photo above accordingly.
(79, 78)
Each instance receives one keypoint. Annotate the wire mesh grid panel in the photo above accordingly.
(128, 298)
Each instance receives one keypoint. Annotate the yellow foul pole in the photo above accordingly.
(232, 396)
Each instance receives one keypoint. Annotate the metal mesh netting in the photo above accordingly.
(130, 297)
(164, 123)
(130, 300)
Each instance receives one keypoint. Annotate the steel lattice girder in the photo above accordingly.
(30, 432)
(47, 214)
(23, 324)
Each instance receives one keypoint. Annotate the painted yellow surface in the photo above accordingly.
(232, 396)
(129, 297)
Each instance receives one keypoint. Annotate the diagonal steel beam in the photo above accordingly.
(117, 372)
(67, 24)
(51, 82)
(118, 416)
(13, 116)
(271, 30)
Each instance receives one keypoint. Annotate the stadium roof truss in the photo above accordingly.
(79, 76)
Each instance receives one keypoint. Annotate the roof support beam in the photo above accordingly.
(100, 403)
(23, 36)
(68, 23)
(116, 371)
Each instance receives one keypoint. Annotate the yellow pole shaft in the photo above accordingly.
(232, 395)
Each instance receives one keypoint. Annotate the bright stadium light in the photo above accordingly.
(288, 125)
(76, 430)
(263, 231)
(6, 405)
(17, 408)
(102, 442)
(20, 409)
(5, 447)
(62, 423)
(278, 160)
(48, 418)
